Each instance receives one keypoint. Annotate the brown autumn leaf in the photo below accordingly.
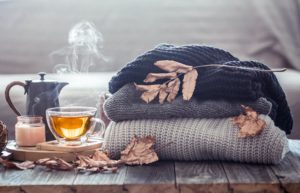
(163, 93)
(149, 95)
(173, 66)
(13, 165)
(98, 162)
(152, 77)
(169, 90)
(147, 87)
(249, 123)
(55, 163)
(189, 84)
(150, 91)
(173, 88)
(100, 156)
(139, 151)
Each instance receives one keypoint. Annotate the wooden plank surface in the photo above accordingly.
(158, 177)
(288, 171)
(100, 183)
(36, 181)
(201, 177)
(288, 175)
(164, 176)
(251, 178)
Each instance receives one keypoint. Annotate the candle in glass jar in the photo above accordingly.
(29, 131)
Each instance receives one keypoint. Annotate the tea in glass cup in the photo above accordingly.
(73, 125)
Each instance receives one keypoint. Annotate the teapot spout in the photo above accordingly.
(61, 85)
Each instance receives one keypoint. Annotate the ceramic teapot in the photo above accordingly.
(41, 95)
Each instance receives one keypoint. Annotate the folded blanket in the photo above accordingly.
(213, 83)
(200, 139)
(126, 104)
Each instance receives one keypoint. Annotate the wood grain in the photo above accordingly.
(158, 177)
(288, 175)
(36, 181)
(201, 177)
(55, 146)
(165, 177)
(33, 154)
(100, 183)
(288, 171)
(251, 178)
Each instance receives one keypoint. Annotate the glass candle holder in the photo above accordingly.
(29, 131)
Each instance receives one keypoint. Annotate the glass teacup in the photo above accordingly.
(74, 125)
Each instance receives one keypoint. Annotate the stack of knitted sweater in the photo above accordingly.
(202, 128)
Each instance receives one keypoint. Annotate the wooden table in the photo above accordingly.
(164, 176)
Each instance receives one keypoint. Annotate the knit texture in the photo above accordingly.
(126, 104)
(200, 139)
(213, 83)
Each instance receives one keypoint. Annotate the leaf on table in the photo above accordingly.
(249, 123)
(55, 163)
(152, 77)
(139, 151)
(98, 162)
(14, 165)
(189, 84)
(100, 156)
(172, 89)
(173, 66)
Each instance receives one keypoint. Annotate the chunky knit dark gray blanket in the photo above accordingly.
(213, 83)
(126, 104)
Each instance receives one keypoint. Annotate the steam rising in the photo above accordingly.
(85, 43)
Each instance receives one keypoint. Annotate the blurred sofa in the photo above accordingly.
(267, 31)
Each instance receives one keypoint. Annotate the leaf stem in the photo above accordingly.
(227, 66)
(241, 67)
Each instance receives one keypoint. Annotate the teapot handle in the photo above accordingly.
(7, 96)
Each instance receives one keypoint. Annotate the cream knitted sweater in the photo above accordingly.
(200, 139)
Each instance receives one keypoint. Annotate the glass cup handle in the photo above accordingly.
(96, 134)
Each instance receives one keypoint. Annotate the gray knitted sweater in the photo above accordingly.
(200, 139)
(126, 104)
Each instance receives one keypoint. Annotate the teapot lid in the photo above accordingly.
(43, 84)
(42, 79)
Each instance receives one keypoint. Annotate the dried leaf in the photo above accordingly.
(55, 163)
(249, 123)
(90, 162)
(151, 91)
(100, 156)
(13, 165)
(163, 94)
(149, 96)
(189, 84)
(147, 87)
(151, 77)
(173, 66)
(99, 162)
(173, 88)
(139, 151)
